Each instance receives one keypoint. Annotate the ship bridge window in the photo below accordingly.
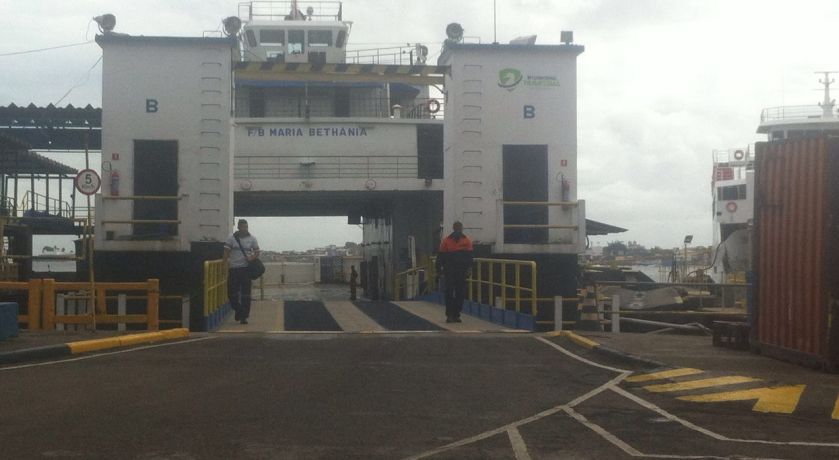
(320, 38)
(272, 37)
(295, 41)
(732, 192)
(342, 38)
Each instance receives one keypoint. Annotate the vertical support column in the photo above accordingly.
(153, 310)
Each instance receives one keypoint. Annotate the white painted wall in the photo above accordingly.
(326, 154)
(482, 116)
(190, 80)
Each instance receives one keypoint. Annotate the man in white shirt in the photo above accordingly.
(240, 248)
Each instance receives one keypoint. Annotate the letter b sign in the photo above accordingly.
(151, 105)
(529, 111)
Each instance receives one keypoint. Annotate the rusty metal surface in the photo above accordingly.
(795, 255)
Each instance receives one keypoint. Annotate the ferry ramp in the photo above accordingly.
(360, 316)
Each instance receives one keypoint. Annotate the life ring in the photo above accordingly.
(433, 106)
(731, 206)
(738, 155)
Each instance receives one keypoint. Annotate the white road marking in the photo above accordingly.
(519, 447)
(100, 355)
(648, 405)
(524, 421)
(626, 448)
(579, 358)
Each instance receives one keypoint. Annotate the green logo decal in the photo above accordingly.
(509, 78)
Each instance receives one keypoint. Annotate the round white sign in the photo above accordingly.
(88, 181)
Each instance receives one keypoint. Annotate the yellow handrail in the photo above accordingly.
(215, 285)
(481, 280)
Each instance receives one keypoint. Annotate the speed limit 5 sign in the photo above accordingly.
(88, 181)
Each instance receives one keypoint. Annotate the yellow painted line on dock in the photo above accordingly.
(696, 384)
(835, 415)
(681, 372)
(778, 400)
(578, 339)
(126, 340)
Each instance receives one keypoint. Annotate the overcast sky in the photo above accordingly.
(661, 83)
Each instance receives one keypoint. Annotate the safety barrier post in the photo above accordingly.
(34, 305)
(185, 312)
(121, 310)
(616, 315)
(153, 310)
(48, 301)
(558, 313)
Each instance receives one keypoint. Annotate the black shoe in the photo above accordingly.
(449, 319)
(457, 319)
(244, 321)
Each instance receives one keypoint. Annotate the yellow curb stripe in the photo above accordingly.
(779, 400)
(579, 340)
(85, 346)
(835, 415)
(681, 372)
(694, 384)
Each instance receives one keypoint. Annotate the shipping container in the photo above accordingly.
(797, 251)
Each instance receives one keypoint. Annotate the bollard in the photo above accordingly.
(616, 315)
(121, 299)
(558, 313)
(185, 312)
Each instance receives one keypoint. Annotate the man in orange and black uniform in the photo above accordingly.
(454, 261)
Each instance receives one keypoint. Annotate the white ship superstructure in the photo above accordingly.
(732, 183)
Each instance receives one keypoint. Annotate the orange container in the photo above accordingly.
(796, 242)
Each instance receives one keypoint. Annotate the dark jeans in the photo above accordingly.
(455, 292)
(239, 291)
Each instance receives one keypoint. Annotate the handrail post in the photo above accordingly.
(504, 286)
(153, 310)
(207, 280)
(533, 291)
(48, 301)
(518, 288)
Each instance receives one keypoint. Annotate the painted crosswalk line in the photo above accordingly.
(778, 400)
(681, 372)
(350, 318)
(436, 313)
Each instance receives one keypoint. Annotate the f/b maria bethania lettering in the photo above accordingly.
(341, 131)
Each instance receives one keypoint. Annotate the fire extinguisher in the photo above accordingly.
(565, 187)
(114, 183)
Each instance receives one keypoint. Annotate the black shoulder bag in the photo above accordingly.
(255, 267)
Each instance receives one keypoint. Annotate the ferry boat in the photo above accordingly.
(732, 181)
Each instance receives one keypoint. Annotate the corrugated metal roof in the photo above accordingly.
(594, 228)
(16, 159)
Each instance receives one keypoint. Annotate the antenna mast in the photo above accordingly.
(494, 25)
(827, 105)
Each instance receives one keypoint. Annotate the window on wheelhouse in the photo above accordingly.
(320, 38)
(295, 41)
